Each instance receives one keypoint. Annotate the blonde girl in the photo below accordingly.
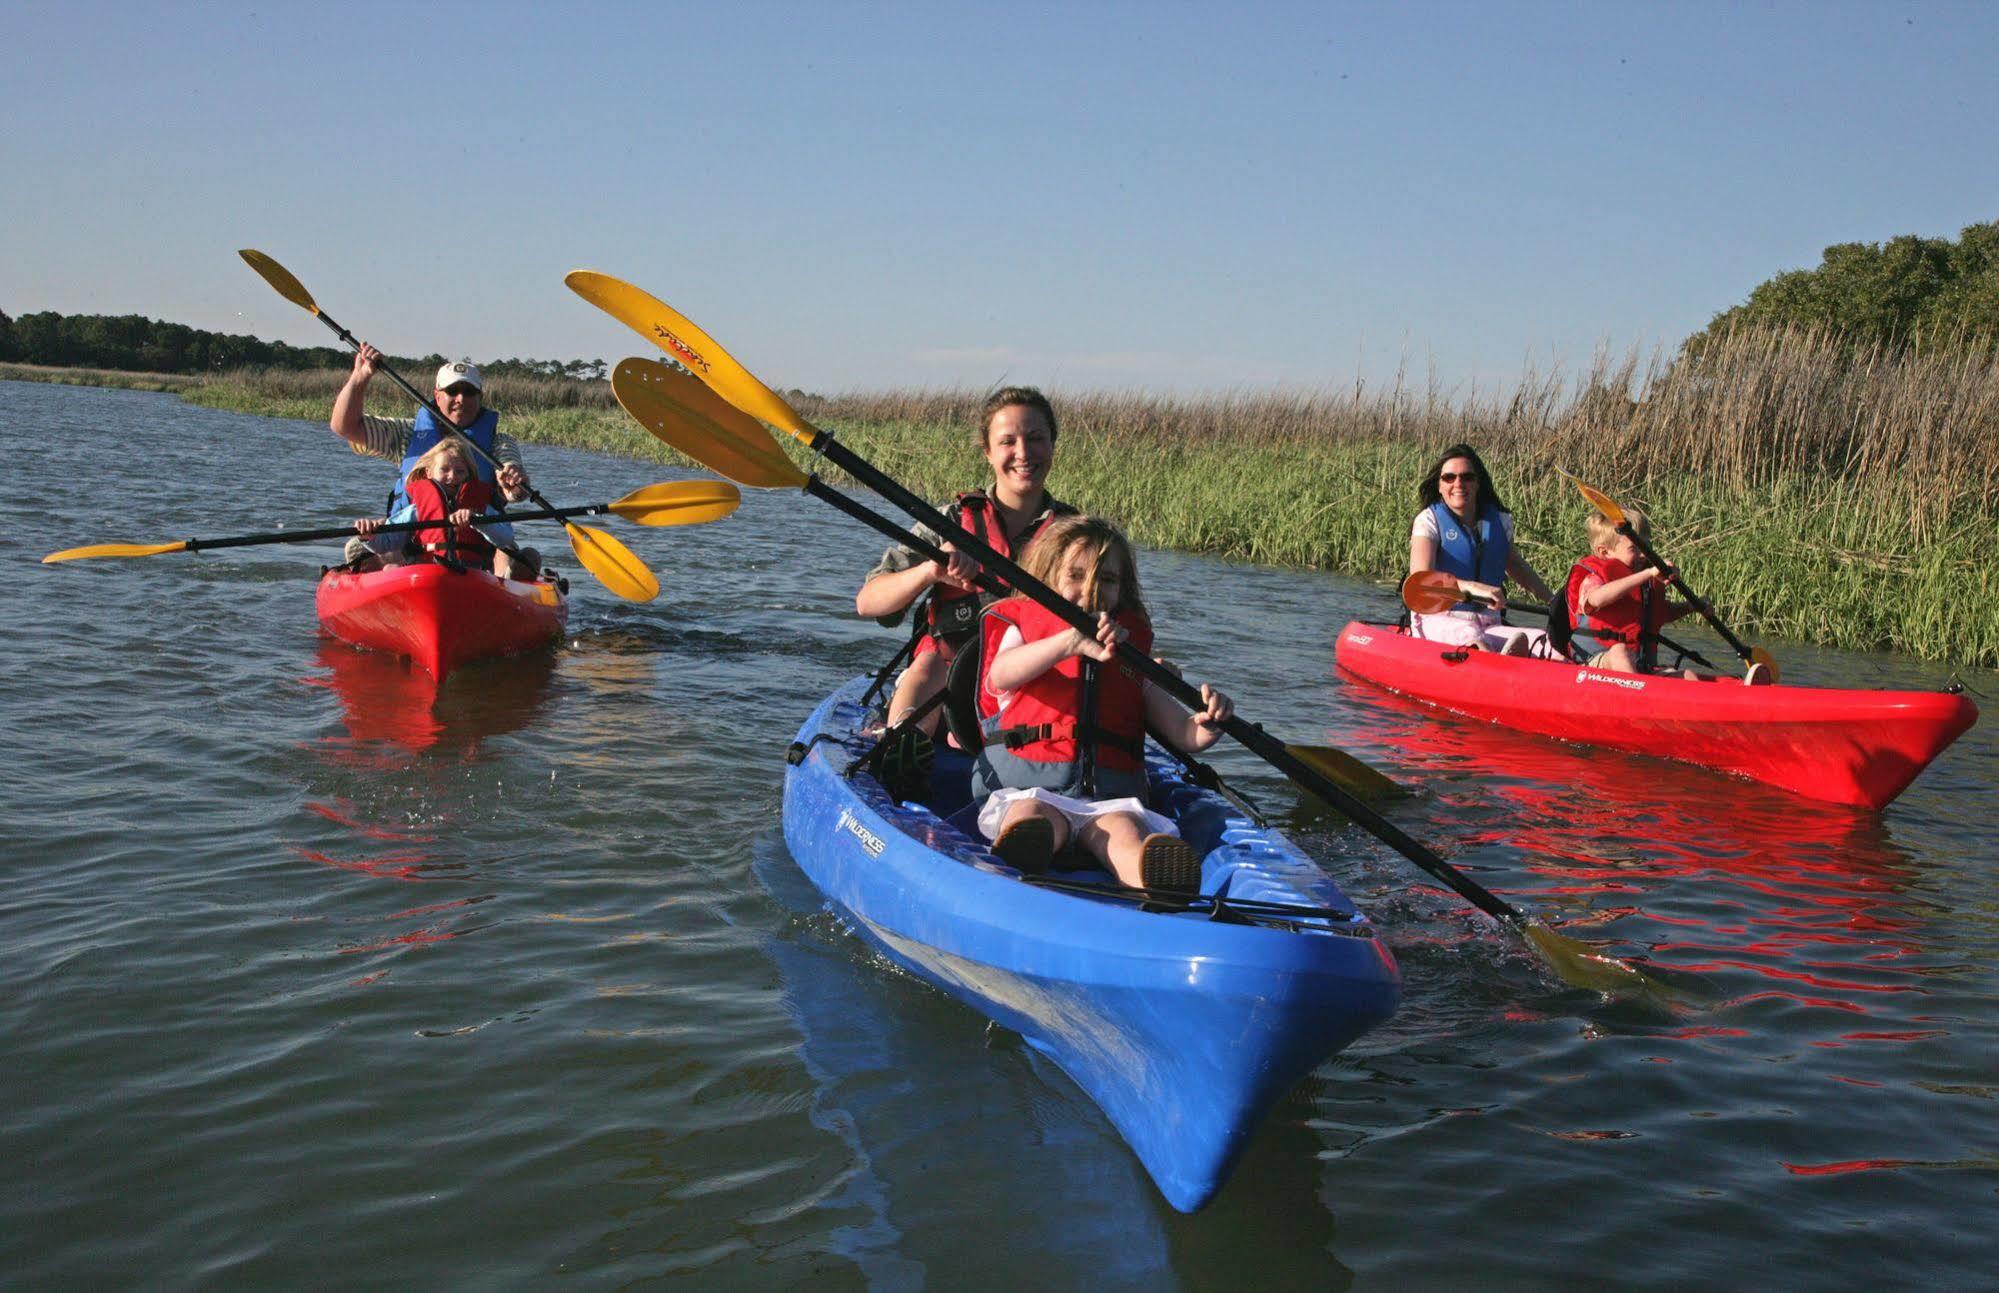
(1065, 719)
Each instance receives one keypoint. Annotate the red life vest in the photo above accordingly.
(1078, 729)
(1633, 619)
(953, 613)
(432, 504)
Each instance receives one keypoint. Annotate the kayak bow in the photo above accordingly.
(438, 617)
(1184, 1027)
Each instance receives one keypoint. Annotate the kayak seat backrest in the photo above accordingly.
(1560, 630)
(961, 715)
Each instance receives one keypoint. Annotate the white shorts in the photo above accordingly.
(1476, 630)
(1075, 811)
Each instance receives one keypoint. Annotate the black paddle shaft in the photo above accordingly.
(1630, 532)
(1249, 734)
(398, 527)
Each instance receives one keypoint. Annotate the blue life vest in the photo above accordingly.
(424, 437)
(1479, 554)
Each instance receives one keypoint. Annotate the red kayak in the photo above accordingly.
(438, 617)
(1850, 747)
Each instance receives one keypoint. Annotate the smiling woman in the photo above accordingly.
(1016, 433)
(1465, 531)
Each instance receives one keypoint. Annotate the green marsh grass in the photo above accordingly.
(174, 382)
(1810, 494)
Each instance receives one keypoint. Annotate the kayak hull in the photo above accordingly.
(1183, 1029)
(438, 617)
(1851, 747)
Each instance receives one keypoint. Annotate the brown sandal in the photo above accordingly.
(1170, 863)
(1028, 846)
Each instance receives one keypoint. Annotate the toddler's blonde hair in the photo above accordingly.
(1602, 533)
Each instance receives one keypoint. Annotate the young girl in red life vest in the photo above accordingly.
(1065, 719)
(443, 487)
(1616, 597)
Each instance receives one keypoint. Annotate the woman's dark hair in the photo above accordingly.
(1488, 493)
(1009, 395)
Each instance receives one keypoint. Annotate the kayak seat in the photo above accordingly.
(961, 715)
(1560, 630)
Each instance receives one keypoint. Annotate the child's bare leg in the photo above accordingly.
(923, 679)
(1618, 659)
(1116, 840)
(503, 563)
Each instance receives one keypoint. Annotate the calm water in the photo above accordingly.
(311, 975)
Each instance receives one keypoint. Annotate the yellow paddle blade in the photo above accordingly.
(679, 502)
(280, 278)
(1581, 966)
(1347, 772)
(114, 550)
(1430, 592)
(708, 429)
(1599, 500)
(674, 333)
(616, 566)
(1758, 655)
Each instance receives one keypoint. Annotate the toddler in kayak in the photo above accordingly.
(1616, 600)
(1064, 720)
(443, 487)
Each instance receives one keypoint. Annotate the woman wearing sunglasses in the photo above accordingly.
(1465, 531)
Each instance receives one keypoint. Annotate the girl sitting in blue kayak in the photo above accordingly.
(1064, 721)
(443, 487)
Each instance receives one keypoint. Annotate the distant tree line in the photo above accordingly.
(1905, 292)
(133, 343)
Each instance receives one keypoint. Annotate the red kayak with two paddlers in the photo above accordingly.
(441, 617)
(1847, 746)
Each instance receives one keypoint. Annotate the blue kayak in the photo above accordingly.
(1184, 1026)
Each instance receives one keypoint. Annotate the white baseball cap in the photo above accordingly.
(460, 374)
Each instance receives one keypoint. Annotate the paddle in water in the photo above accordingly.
(1604, 503)
(677, 502)
(1575, 962)
(617, 567)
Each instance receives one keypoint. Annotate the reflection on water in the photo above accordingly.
(1699, 873)
(384, 698)
(896, 1065)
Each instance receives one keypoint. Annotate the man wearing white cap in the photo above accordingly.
(459, 396)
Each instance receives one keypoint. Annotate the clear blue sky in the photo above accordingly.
(851, 196)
